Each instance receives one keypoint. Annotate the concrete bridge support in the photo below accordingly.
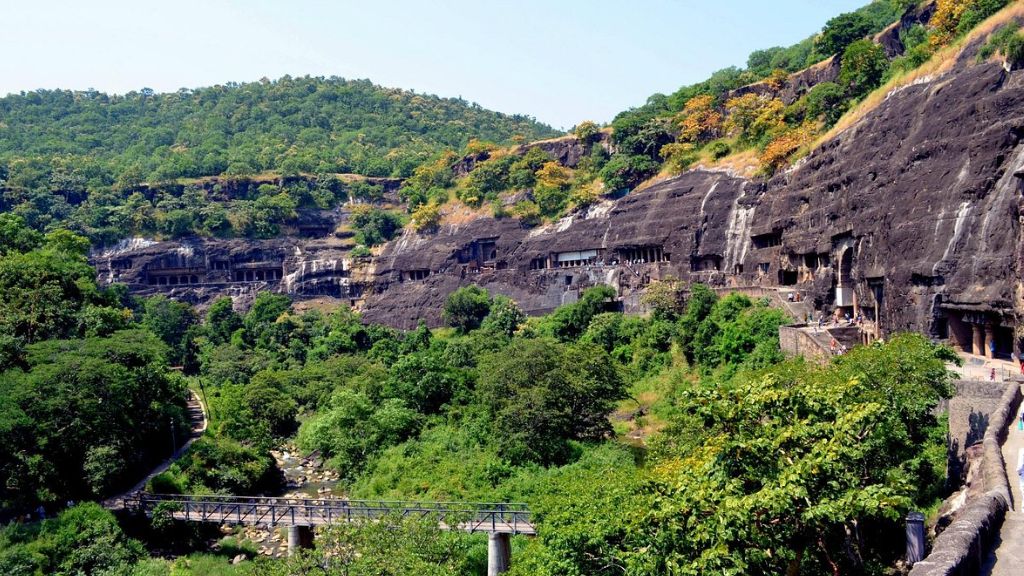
(499, 553)
(299, 537)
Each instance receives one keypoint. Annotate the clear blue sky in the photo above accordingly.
(560, 61)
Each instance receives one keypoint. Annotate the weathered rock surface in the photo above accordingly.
(911, 216)
(199, 270)
(916, 210)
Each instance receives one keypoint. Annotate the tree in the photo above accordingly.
(540, 394)
(222, 321)
(84, 539)
(753, 117)
(698, 307)
(426, 217)
(426, 381)
(219, 464)
(259, 413)
(569, 321)
(85, 416)
(170, 321)
(864, 64)
(467, 307)
(841, 31)
(265, 310)
(953, 18)
(828, 101)
(586, 132)
(793, 470)
(374, 226)
(389, 545)
(625, 171)
(16, 236)
(504, 317)
(352, 429)
(700, 120)
(665, 299)
(42, 292)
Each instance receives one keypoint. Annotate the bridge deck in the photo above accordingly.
(495, 518)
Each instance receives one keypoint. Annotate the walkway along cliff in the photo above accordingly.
(912, 217)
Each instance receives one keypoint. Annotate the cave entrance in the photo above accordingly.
(787, 277)
(1003, 336)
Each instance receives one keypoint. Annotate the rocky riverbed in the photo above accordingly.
(305, 477)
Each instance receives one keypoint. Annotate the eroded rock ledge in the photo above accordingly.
(911, 217)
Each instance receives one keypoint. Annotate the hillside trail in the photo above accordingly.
(199, 421)
(1007, 555)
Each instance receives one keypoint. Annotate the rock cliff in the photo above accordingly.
(911, 217)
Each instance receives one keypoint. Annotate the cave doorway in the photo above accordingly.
(787, 277)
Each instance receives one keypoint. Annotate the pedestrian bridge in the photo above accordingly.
(492, 518)
(499, 520)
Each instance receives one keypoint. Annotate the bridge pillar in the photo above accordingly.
(299, 537)
(499, 553)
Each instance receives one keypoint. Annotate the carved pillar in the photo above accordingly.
(990, 341)
(978, 345)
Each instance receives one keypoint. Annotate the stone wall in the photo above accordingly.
(970, 412)
(961, 548)
(796, 342)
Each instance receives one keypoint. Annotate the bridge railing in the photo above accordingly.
(508, 518)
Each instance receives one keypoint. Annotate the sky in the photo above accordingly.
(559, 61)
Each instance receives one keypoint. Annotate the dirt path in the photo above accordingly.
(198, 419)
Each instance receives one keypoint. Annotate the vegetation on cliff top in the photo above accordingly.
(263, 134)
(79, 159)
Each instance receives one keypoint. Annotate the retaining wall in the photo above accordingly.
(795, 342)
(970, 412)
(962, 546)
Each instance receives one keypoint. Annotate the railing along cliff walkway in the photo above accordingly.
(299, 515)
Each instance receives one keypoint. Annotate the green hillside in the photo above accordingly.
(59, 148)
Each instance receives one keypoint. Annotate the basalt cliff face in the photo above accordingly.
(915, 210)
(912, 216)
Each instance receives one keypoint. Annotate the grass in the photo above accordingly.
(649, 407)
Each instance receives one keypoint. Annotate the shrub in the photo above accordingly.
(626, 171)
(374, 226)
(976, 12)
(528, 212)
(776, 154)
(586, 132)
(828, 101)
(1014, 50)
(426, 217)
(679, 156)
(719, 150)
